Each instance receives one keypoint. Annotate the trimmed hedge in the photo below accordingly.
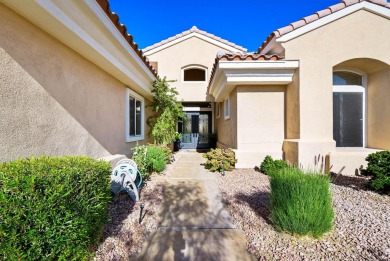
(301, 204)
(378, 168)
(52, 208)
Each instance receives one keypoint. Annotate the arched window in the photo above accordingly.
(347, 78)
(194, 73)
(349, 105)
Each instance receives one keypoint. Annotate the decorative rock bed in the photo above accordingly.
(123, 236)
(361, 227)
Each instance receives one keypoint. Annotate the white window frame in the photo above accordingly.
(217, 110)
(226, 108)
(359, 89)
(194, 66)
(141, 99)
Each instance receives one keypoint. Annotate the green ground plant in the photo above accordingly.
(269, 164)
(378, 168)
(301, 203)
(220, 160)
(151, 158)
(52, 208)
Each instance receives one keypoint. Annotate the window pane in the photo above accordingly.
(194, 75)
(132, 116)
(138, 117)
(346, 78)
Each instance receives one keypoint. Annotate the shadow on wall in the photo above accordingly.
(92, 101)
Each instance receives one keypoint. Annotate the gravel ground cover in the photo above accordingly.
(361, 228)
(123, 236)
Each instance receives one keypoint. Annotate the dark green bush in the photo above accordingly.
(151, 158)
(52, 208)
(378, 168)
(301, 203)
(220, 160)
(268, 165)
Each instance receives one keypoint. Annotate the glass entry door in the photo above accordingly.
(348, 119)
(195, 129)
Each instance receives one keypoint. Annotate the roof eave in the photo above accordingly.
(230, 74)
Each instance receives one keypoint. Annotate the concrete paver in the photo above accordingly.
(194, 224)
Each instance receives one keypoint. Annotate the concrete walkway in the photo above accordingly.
(194, 226)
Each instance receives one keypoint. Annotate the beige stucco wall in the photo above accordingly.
(378, 110)
(53, 101)
(318, 52)
(260, 124)
(227, 128)
(192, 51)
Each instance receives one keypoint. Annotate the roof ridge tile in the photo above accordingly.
(193, 29)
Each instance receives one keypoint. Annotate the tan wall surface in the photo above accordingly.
(227, 128)
(260, 118)
(193, 51)
(319, 51)
(52, 100)
(378, 131)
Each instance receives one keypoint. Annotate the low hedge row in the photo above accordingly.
(52, 208)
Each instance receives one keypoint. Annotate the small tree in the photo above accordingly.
(168, 111)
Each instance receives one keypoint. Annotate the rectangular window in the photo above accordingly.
(227, 108)
(218, 109)
(134, 116)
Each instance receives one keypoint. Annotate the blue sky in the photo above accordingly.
(246, 22)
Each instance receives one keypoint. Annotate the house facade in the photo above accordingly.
(316, 93)
(322, 86)
(72, 81)
(187, 59)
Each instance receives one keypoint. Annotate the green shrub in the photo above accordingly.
(268, 165)
(301, 203)
(220, 160)
(52, 208)
(378, 168)
(151, 158)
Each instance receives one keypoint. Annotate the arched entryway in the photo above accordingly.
(361, 104)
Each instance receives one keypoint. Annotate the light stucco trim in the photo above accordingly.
(376, 9)
(193, 34)
(230, 74)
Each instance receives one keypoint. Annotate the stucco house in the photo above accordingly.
(316, 93)
(73, 82)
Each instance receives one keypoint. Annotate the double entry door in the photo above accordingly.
(195, 129)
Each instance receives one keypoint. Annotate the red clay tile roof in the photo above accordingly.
(104, 4)
(194, 29)
(221, 56)
(314, 17)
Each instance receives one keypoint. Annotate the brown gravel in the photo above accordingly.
(123, 235)
(361, 230)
